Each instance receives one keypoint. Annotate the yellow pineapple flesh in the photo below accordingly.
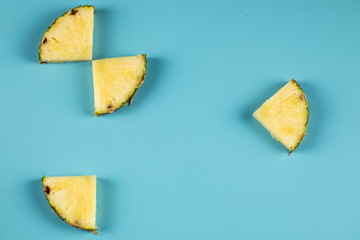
(70, 37)
(73, 199)
(285, 115)
(116, 81)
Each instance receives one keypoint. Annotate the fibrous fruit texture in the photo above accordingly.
(73, 199)
(70, 37)
(116, 81)
(285, 115)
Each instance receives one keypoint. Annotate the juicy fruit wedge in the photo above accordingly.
(116, 81)
(70, 37)
(285, 115)
(73, 199)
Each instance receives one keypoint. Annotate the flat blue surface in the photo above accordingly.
(186, 160)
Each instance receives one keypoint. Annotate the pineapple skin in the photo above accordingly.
(291, 149)
(41, 61)
(53, 208)
(130, 99)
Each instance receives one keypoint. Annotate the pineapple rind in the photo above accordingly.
(305, 116)
(42, 61)
(57, 212)
(127, 101)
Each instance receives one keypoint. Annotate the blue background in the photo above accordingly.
(186, 160)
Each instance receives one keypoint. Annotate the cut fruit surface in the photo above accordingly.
(70, 37)
(285, 115)
(116, 81)
(73, 199)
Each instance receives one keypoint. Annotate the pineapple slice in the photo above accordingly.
(116, 81)
(285, 115)
(70, 37)
(73, 199)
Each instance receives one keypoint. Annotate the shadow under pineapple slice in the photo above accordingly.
(116, 81)
(73, 199)
(70, 37)
(285, 115)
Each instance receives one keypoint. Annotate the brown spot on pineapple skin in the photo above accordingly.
(109, 106)
(301, 97)
(73, 11)
(47, 190)
(45, 40)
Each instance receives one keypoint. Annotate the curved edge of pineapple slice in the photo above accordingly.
(70, 12)
(53, 208)
(307, 117)
(277, 138)
(130, 99)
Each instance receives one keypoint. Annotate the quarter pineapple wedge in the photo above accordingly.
(70, 37)
(73, 199)
(116, 81)
(285, 115)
